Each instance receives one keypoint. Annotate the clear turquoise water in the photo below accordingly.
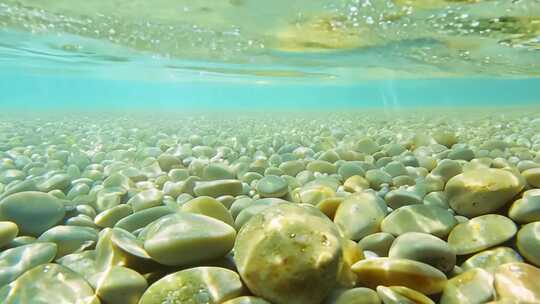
(231, 55)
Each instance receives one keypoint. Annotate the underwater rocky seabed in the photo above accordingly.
(363, 207)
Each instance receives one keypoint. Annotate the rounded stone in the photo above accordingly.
(359, 295)
(109, 217)
(200, 285)
(378, 243)
(247, 300)
(49, 283)
(146, 199)
(355, 183)
(481, 233)
(70, 239)
(33, 212)
(119, 285)
(360, 215)
(272, 186)
(401, 294)
(424, 248)
(419, 218)
(16, 261)
(399, 272)
(532, 176)
(330, 205)
(209, 206)
(518, 282)
(8, 231)
(472, 286)
(289, 254)
(528, 242)
(491, 259)
(218, 188)
(184, 238)
(481, 191)
(525, 209)
(142, 218)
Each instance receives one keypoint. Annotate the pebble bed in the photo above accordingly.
(333, 208)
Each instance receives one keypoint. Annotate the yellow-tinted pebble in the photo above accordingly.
(16, 261)
(355, 183)
(518, 282)
(402, 295)
(481, 191)
(8, 231)
(247, 300)
(289, 254)
(399, 272)
(110, 217)
(329, 206)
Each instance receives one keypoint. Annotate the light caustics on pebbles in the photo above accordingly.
(335, 208)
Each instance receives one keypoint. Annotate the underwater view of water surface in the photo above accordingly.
(269, 152)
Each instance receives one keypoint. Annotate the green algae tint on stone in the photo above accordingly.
(16, 261)
(184, 238)
(33, 212)
(49, 283)
(200, 285)
(289, 254)
(481, 233)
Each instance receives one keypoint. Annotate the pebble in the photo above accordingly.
(424, 248)
(272, 186)
(209, 206)
(481, 233)
(70, 239)
(218, 188)
(518, 282)
(378, 243)
(482, 191)
(49, 283)
(532, 176)
(419, 218)
(198, 285)
(528, 242)
(359, 295)
(289, 254)
(185, 238)
(247, 300)
(16, 261)
(400, 272)
(118, 285)
(526, 209)
(360, 215)
(33, 212)
(8, 232)
(490, 259)
(472, 286)
(401, 294)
